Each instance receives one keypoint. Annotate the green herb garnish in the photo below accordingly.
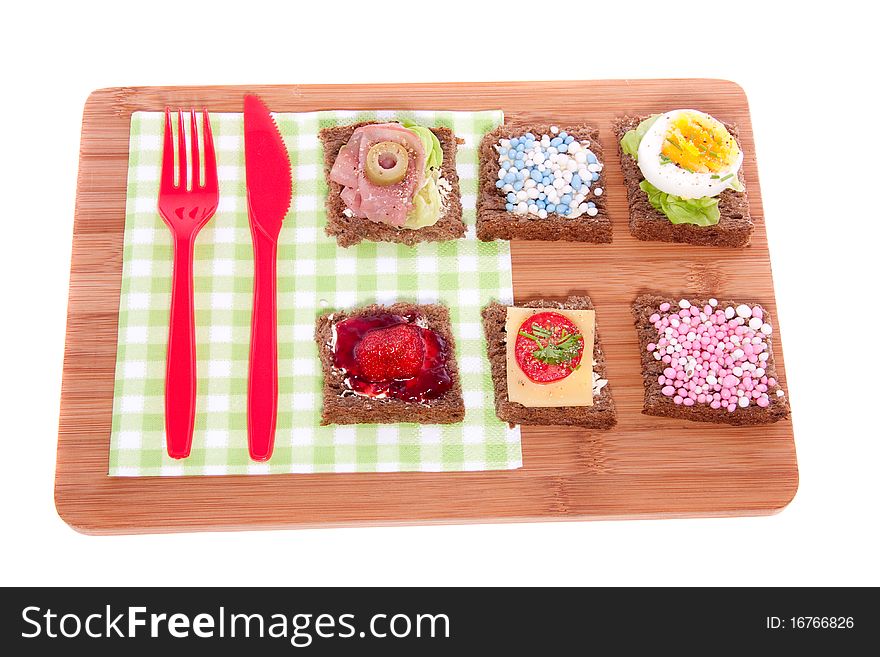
(564, 350)
(539, 332)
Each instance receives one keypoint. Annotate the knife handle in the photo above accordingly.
(263, 366)
(180, 363)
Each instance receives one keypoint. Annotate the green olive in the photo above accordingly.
(386, 163)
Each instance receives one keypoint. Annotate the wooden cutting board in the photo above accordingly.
(645, 467)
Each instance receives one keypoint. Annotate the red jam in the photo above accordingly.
(548, 347)
(391, 356)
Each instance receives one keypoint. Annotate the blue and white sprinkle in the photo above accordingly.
(553, 173)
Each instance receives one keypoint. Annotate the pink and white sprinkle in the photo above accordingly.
(713, 355)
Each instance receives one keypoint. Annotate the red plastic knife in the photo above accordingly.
(269, 190)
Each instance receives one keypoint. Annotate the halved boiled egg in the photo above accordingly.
(689, 154)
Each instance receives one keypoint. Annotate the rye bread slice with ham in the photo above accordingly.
(349, 230)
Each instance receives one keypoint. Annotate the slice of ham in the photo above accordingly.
(345, 168)
(389, 204)
(352, 199)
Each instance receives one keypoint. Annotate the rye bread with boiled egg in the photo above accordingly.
(341, 406)
(601, 415)
(734, 227)
(494, 222)
(352, 230)
(658, 404)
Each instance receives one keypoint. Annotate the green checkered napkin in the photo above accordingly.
(314, 275)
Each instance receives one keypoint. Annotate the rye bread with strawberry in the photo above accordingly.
(387, 364)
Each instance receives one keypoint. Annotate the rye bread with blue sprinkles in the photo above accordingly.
(496, 219)
(734, 227)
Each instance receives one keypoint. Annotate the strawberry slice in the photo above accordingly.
(391, 353)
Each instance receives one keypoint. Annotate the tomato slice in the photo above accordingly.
(548, 347)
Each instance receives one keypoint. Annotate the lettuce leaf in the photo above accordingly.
(426, 204)
(698, 211)
(631, 140)
(433, 149)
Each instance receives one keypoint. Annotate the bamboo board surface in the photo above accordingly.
(645, 467)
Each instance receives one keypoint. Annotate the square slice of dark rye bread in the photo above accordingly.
(494, 222)
(351, 230)
(341, 406)
(601, 415)
(734, 227)
(656, 403)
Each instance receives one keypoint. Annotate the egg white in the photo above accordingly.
(669, 177)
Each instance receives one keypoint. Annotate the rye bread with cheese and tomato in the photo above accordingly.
(542, 182)
(391, 182)
(684, 180)
(707, 360)
(548, 367)
(386, 364)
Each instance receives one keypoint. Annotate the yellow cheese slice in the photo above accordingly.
(574, 390)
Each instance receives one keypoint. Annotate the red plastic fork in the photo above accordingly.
(185, 209)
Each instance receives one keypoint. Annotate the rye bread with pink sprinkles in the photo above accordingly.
(657, 403)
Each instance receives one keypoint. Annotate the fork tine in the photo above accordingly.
(208, 156)
(194, 150)
(181, 145)
(167, 181)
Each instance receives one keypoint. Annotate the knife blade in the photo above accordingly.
(269, 191)
(267, 165)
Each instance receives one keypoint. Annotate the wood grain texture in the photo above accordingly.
(645, 467)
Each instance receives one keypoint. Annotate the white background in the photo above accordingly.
(810, 76)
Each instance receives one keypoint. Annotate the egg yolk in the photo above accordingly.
(699, 144)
